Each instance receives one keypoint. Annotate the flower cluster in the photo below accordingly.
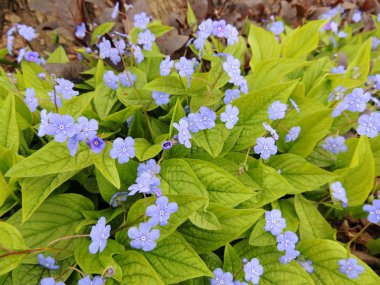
(232, 67)
(26, 32)
(111, 80)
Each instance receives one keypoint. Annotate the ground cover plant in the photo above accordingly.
(199, 169)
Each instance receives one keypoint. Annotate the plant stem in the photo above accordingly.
(67, 237)
(127, 224)
(357, 235)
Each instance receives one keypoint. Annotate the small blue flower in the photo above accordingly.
(150, 167)
(114, 55)
(337, 93)
(123, 150)
(293, 134)
(96, 144)
(21, 54)
(141, 20)
(55, 99)
(65, 87)
(294, 104)
(277, 110)
(97, 280)
(50, 281)
(232, 67)
(373, 211)
(137, 53)
(161, 98)
(338, 70)
(104, 48)
(375, 79)
(143, 237)
(205, 29)
(120, 46)
(28, 33)
(41, 75)
(369, 125)
(265, 147)
(73, 144)
(118, 198)
(287, 241)
(199, 43)
(44, 122)
(161, 211)
(230, 116)
(289, 256)
(30, 99)
(146, 39)
(192, 119)
(185, 67)
(88, 128)
(61, 127)
(274, 222)
(350, 267)
(165, 66)
(253, 270)
(10, 42)
(129, 121)
(357, 16)
(357, 100)
(272, 131)
(339, 109)
(115, 10)
(99, 235)
(277, 28)
(127, 79)
(230, 95)
(219, 28)
(111, 80)
(145, 183)
(205, 119)
(221, 278)
(48, 262)
(237, 282)
(166, 145)
(335, 144)
(184, 135)
(339, 193)
(80, 31)
(307, 265)
(232, 35)
(32, 56)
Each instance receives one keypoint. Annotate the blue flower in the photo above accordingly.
(145, 183)
(272, 131)
(253, 270)
(277, 110)
(32, 56)
(230, 116)
(307, 265)
(337, 93)
(62, 127)
(293, 134)
(97, 280)
(114, 55)
(369, 125)
(205, 29)
(184, 135)
(294, 104)
(357, 100)
(350, 267)
(99, 235)
(192, 119)
(129, 121)
(115, 10)
(65, 87)
(232, 67)
(165, 66)
(44, 122)
(146, 39)
(123, 150)
(21, 54)
(80, 31)
(277, 27)
(111, 80)
(10, 42)
(30, 99)
(221, 278)
(143, 237)
(232, 35)
(141, 20)
(199, 43)
(166, 145)
(339, 109)
(55, 99)
(87, 128)
(96, 144)
(117, 198)
(150, 167)
(104, 48)
(373, 211)
(237, 282)
(286, 241)
(335, 145)
(185, 67)
(73, 144)
(161, 98)
(265, 147)
(28, 33)
(339, 193)
(161, 211)
(289, 256)
(137, 53)
(120, 46)
(48, 262)
(230, 95)
(357, 16)
(219, 28)
(127, 79)
(50, 281)
(274, 222)
(205, 119)
(375, 79)
(338, 70)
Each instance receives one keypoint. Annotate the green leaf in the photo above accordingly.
(101, 261)
(233, 221)
(360, 66)
(52, 158)
(303, 175)
(205, 220)
(5, 191)
(212, 140)
(232, 262)
(58, 56)
(301, 41)
(359, 176)
(36, 189)
(145, 150)
(9, 133)
(101, 30)
(191, 19)
(159, 30)
(10, 239)
(76, 106)
(171, 84)
(312, 224)
(106, 165)
(137, 270)
(260, 237)
(325, 255)
(375, 147)
(175, 260)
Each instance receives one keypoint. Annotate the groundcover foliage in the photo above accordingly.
(192, 170)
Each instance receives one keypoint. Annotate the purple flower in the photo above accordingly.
(161, 98)
(184, 66)
(339, 193)
(137, 53)
(253, 270)
(161, 211)
(219, 28)
(111, 80)
(373, 211)
(277, 28)
(80, 31)
(44, 122)
(369, 125)
(30, 99)
(96, 144)
(335, 145)
(118, 198)
(274, 222)
(339, 109)
(307, 265)
(232, 35)
(150, 167)
(230, 116)
(230, 95)
(141, 20)
(272, 131)
(338, 70)
(293, 134)
(127, 79)
(166, 145)
(357, 16)
(73, 144)
(289, 256)
(357, 100)
(287, 241)
(166, 66)
(350, 267)
(123, 150)
(221, 278)
(50, 281)
(99, 235)
(28, 33)
(87, 128)
(65, 87)
(337, 93)
(143, 237)
(277, 110)
(115, 10)
(32, 56)
(265, 147)
(146, 38)
(62, 127)
(184, 135)
(97, 280)
(205, 29)
(48, 262)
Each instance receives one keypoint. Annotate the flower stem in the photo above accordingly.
(67, 237)
(348, 245)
